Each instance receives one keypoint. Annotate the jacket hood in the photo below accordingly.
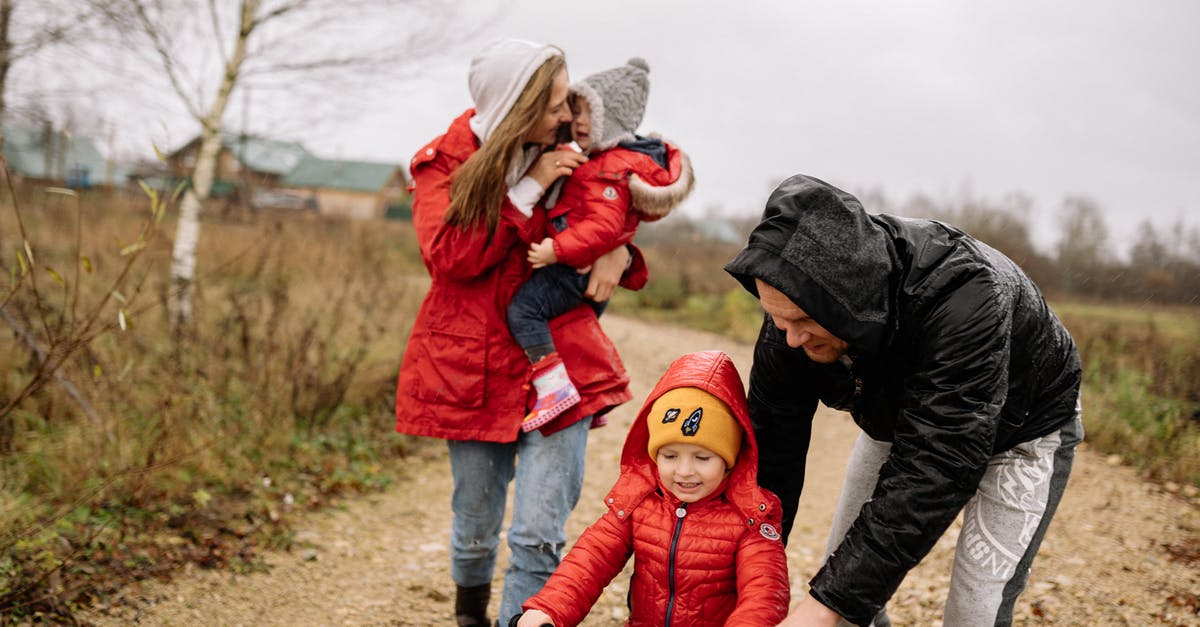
(715, 373)
(654, 193)
(817, 245)
(655, 190)
(497, 76)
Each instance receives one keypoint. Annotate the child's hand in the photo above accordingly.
(541, 254)
(534, 618)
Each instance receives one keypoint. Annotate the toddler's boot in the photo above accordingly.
(555, 392)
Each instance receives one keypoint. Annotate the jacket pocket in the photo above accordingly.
(452, 369)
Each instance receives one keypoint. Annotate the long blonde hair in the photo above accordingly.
(478, 187)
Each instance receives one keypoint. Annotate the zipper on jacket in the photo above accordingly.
(680, 512)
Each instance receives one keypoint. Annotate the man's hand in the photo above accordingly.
(606, 274)
(811, 613)
(541, 254)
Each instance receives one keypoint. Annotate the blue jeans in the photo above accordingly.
(549, 292)
(549, 478)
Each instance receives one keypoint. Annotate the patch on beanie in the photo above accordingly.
(671, 415)
(692, 424)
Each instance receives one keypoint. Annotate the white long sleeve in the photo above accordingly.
(525, 194)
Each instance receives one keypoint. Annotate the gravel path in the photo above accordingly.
(1121, 551)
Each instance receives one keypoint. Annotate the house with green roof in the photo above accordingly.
(353, 189)
(273, 174)
(54, 157)
(246, 162)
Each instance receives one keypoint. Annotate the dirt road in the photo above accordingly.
(1120, 552)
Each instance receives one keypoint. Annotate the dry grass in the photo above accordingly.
(1141, 370)
(279, 396)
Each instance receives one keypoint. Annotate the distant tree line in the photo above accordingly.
(1162, 265)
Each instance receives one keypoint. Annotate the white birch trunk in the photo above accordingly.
(187, 232)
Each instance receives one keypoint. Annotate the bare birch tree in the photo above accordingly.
(206, 51)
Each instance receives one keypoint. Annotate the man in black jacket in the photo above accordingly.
(963, 381)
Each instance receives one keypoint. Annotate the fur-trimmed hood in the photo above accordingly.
(658, 172)
(658, 196)
(607, 197)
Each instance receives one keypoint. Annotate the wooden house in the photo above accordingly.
(352, 189)
(273, 174)
(246, 162)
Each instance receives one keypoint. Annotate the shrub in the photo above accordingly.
(193, 447)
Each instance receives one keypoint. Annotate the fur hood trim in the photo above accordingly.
(656, 201)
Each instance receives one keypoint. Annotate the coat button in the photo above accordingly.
(621, 514)
(429, 151)
(610, 501)
(762, 507)
(751, 522)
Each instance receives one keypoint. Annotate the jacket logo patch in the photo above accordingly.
(610, 192)
(671, 415)
(692, 424)
(768, 532)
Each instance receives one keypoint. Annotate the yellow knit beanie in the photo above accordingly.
(692, 416)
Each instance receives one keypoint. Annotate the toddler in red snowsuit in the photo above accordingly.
(626, 180)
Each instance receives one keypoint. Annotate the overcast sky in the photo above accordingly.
(941, 97)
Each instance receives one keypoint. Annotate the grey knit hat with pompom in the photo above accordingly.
(617, 98)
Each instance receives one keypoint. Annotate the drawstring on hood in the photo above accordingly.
(817, 245)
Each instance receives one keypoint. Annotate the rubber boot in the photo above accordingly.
(555, 392)
(470, 605)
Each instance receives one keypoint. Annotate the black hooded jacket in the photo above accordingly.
(954, 356)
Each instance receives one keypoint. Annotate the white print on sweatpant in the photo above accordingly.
(999, 523)
(1017, 488)
(1019, 483)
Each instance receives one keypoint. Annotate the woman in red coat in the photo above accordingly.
(463, 378)
(704, 537)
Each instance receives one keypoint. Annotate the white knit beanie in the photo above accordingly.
(497, 77)
(617, 98)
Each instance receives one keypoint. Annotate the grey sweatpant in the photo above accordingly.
(1003, 524)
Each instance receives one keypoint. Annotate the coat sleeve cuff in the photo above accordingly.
(855, 613)
(525, 194)
(636, 274)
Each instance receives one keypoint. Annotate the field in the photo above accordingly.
(146, 448)
(128, 448)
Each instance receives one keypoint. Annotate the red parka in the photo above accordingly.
(606, 198)
(718, 561)
(463, 377)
